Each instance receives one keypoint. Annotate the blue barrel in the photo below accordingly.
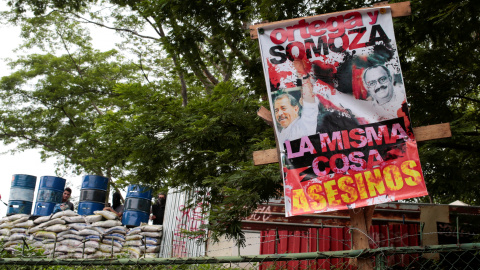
(138, 191)
(21, 194)
(50, 192)
(137, 205)
(92, 194)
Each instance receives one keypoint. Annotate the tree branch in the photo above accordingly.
(178, 68)
(77, 67)
(141, 67)
(111, 27)
(455, 146)
(69, 119)
(467, 98)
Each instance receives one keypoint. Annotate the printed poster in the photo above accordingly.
(338, 99)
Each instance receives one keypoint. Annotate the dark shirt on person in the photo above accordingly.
(119, 209)
(70, 205)
(158, 210)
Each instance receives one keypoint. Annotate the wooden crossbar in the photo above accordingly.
(398, 10)
(424, 133)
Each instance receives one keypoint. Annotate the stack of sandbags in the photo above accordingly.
(44, 234)
(13, 230)
(73, 236)
(108, 246)
(114, 240)
(85, 235)
(152, 236)
(133, 241)
(144, 241)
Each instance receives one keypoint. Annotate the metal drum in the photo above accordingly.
(92, 194)
(137, 205)
(21, 194)
(50, 192)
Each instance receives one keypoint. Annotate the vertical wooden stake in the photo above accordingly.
(361, 220)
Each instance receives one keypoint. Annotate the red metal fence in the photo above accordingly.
(335, 239)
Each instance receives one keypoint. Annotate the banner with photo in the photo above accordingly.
(337, 96)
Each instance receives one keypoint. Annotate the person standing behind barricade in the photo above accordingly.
(65, 204)
(117, 206)
(158, 209)
(66, 199)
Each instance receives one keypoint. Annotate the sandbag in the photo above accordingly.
(72, 236)
(116, 229)
(93, 218)
(20, 220)
(78, 226)
(71, 243)
(133, 251)
(17, 236)
(152, 234)
(134, 237)
(53, 222)
(93, 238)
(133, 231)
(107, 223)
(35, 229)
(152, 240)
(133, 243)
(115, 236)
(101, 230)
(56, 228)
(150, 248)
(86, 232)
(108, 248)
(27, 224)
(42, 219)
(106, 214)
(5, 232)
(17, 216)
(64, 213)
(151, 228)
(74, 219)
(45, 234)
(116, 243)
(69, 231)
(6, 225)
(92, 244)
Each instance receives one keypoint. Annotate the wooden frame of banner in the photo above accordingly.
(360, 218)
(398, 10)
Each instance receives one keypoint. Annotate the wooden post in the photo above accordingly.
(361, 221)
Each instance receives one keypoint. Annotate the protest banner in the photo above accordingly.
(340, 113)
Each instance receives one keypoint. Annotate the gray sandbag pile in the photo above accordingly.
(67, 235)
(13, 231)
(143, 241)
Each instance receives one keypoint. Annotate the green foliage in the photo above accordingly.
(182, 114)
(53, 101)
(439, 49)
(208, 145)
